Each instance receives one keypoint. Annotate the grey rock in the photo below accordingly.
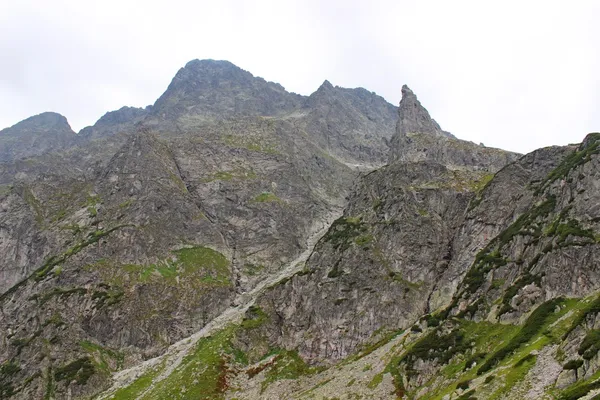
(36, 135)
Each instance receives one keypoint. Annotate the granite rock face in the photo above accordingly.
(113, 122)
(148, 225)
(419, 138)
(209, 88)
(414, 118)
(36, 135)
(169, 252)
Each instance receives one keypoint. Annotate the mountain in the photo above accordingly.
(418, 137)
(36, 135)
(113, 122)
(234, 240)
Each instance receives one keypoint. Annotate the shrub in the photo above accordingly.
(530, 328)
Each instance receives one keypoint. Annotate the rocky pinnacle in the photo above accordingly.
(413, 117)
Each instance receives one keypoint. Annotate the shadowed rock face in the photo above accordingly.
(36, 135)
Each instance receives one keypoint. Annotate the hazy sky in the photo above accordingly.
(512, 74)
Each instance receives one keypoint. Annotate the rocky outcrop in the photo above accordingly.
(36, 135)
(375, 269)
(414, 118)
(351, 124)
(113, 122)
(216, 89)
(419, 138)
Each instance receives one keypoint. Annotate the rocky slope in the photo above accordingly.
(418, 137)
(221, 244)
(36, 135)
(150, 224)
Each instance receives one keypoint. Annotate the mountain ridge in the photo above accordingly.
(237, 241)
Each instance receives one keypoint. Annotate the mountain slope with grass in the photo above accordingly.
(237, 241)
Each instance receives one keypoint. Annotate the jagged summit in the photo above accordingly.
(121, 120)
(35, 135)
(220, 88)
(325, 85)
(44, 122)
(414, 118)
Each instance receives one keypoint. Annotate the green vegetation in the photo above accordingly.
(573, 364)
(7, 371)
(104, 359)
(435, 345)
(484, 263)
(251, 269)
(197, 266)
(5, 189)
(532, 326)
(576, 158)
(79, 371)
(343, 231)
(287, 365)
(591, 308)
(201, 375)
(375, 381)
(108, 297)
(93, 237)
(35, 204)
(516, 373)
(364, 240)
(214, 264)
(467, 396)
(139, 386)
(266, 197)
(590, 345)
(254, 318)
(126, 204)
(230, 175)
(178, 182)
(463, 385)
(336, 271)
(57, 292)
(490, 257)
(580, 388)
(512, 291)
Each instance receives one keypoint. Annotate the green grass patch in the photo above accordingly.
(532, 326)
(230, 175)
(203, 372)
(105, 359)
(266, 197)
(375, 381)
(578, 157)
(254, 318)
(139, 386)
(197, 266)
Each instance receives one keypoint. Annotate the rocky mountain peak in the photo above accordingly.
(34, 136)
(413, 117)
(44, 122)
(419, 138)
(219, 88)
(326, 85)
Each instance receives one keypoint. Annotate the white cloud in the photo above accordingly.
(517, 75)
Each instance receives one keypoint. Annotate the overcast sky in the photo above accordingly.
(512, 74)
